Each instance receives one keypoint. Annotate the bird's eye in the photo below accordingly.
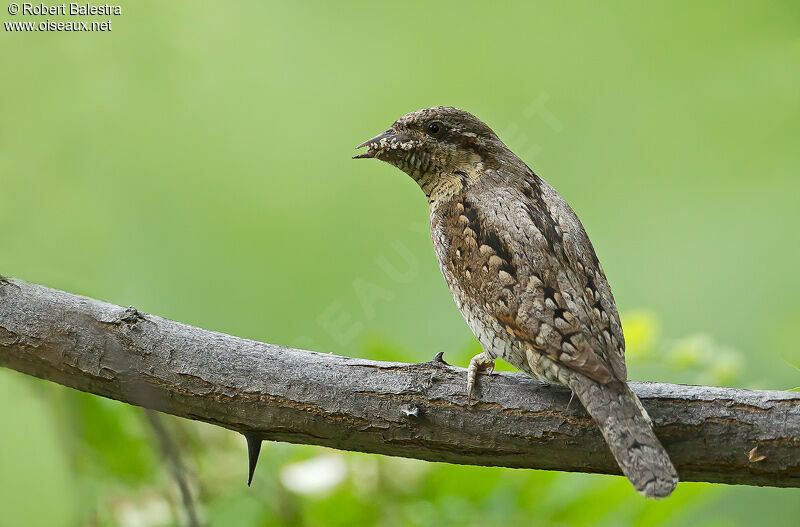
(435, 128)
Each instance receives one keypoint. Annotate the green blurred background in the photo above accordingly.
(195, 162)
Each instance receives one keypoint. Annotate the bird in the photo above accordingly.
(525, 276)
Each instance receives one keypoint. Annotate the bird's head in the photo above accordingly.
(432, 144)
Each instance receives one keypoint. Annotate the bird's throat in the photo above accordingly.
(439, 188)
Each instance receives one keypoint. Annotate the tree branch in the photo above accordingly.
(411, 410)
(171, 453)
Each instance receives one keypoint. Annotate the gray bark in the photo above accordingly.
(411, 410)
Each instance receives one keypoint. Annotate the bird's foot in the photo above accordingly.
(479, 362)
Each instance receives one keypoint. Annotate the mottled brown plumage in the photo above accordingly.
(524, 275)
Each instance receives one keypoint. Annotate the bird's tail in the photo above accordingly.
(629, 434)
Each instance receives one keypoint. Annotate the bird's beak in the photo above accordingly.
(375, 144)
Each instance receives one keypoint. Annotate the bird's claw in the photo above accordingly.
(479, 362)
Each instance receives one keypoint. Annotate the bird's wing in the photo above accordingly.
(525, 254)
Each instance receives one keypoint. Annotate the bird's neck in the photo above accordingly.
(446, 176)
(440, 188)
